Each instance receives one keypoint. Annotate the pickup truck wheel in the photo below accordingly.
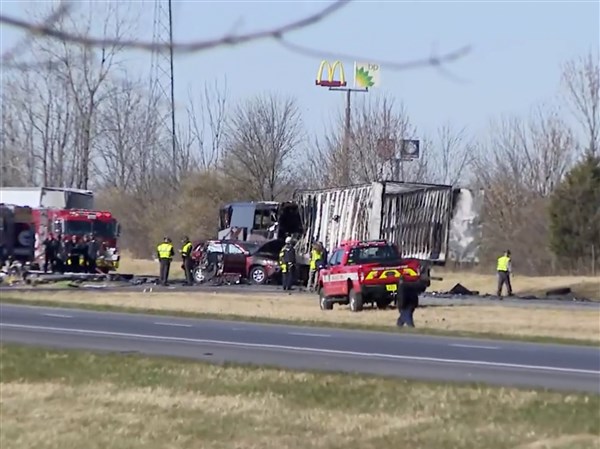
(324, 302)
(356, 302)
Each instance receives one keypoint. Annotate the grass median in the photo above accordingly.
(582, 286)
(497, 321)
(73, 399)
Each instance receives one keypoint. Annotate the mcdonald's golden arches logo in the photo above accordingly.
(330, 81)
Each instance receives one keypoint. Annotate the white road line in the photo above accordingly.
(173, 324)
(305, 349)
(57, 315)
(307, 334)
(457, 345)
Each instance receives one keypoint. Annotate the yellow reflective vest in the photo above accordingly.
(165, 250)
(314, 256)
(503, 263)
(187, 249)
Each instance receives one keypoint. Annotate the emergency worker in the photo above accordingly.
(72, 254)
(316, 256)
(407, 303)
(504, 269)
(165, 254)
(287, 260)
(50, 253)
(186, 256)
(93, 248)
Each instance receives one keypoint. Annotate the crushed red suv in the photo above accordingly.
(255, 261)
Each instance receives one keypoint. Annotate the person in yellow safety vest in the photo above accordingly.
(165, 254)
(186, 256)
(316, 255)
(504, 269)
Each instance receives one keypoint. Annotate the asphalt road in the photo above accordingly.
(413, 356)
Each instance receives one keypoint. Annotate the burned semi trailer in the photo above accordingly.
(259, 221)
(417, 217)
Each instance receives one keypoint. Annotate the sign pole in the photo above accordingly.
(347, 131)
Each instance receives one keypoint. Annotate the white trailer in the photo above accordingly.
(48, 197)
(419, 218)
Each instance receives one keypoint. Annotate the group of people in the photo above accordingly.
(165, 252)
(75, 255)
(287, 264)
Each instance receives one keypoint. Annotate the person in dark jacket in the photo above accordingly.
(408, 301)
(72, 258)
(81, 253)
(93, 248)
(50, 253)
(287, 260)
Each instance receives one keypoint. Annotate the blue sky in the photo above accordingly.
(515, 63)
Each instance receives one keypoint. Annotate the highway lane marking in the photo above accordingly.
(57, 315)
(173, 324)
(308, 334)
(305, 349)
(458, 345)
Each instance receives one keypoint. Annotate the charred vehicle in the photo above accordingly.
(259, 221)
(427, 222)
(255, 262)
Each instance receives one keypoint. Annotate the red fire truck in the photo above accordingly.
(79, 222)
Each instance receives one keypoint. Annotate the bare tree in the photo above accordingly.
(581, 79)
(207, 124)
(378, 128)
(518, 169)
(263, 137)
(449, 155)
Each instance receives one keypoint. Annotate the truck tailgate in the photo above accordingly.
(388, 275)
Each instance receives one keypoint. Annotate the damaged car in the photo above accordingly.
(254, 262)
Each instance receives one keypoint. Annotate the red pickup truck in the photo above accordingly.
(361, 272)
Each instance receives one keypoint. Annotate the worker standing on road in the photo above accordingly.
(407, 303)
(504, 268)
(93, 248)
(50, 253)
(165, 255)
(287, 260)
(186, 256)
(316, 255)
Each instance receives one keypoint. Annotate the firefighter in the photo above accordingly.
(72, 255)
(165, 254)
(50, 253)
(92, 253)
(316, 256)
(186, 257)
(287, 260)
(504, 268)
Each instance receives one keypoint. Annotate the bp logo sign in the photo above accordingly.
(366, 75)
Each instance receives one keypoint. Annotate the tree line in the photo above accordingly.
(81, 120)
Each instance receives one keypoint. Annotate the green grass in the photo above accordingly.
(299, 322)
(75, 399)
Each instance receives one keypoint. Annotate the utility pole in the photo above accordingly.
(347, 131)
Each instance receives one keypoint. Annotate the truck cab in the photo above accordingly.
(361, 272)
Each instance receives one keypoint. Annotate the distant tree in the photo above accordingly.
(575, 213)
(264, 135)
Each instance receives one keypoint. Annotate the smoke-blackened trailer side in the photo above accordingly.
(415, 216)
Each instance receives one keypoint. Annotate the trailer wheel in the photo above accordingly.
(356, 301)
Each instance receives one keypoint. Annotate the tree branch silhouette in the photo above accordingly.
(180, 47)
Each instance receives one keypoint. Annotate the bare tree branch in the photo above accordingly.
(189, 47)
(433, 60)
(581, 78)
